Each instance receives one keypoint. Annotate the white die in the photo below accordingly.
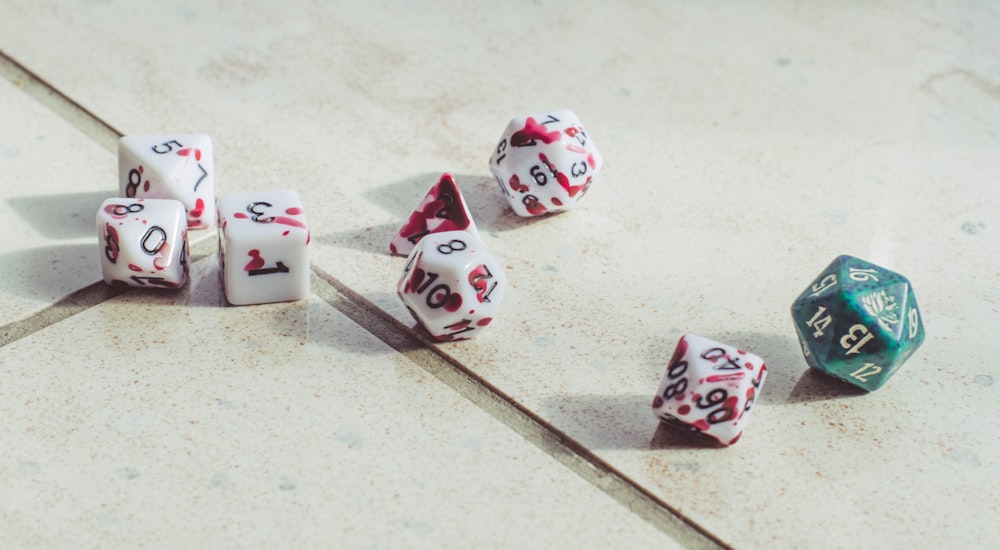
(143, 242)
(710, 387)
(177, 166)
(452, 285)
(545, 163)
(263, 247)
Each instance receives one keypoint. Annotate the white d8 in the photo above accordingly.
(710, 388)
(143, 242)
(545, 163)
(263, 247)
(175, 167)
(452, 285)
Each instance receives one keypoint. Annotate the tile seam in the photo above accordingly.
(515, 416)
(73, 113)
(494, 402)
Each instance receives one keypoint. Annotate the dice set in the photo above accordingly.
(167, 186)
(856, 321)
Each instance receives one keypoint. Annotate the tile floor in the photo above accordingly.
(745, 146)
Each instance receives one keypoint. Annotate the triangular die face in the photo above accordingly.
(884, 308)
(856, 274)
(442, 209)
(165, 160)
(816, 323)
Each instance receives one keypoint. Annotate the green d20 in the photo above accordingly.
(858, 322)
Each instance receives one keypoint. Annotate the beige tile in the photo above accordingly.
(167, 418)
(54, 179)
(745, 148)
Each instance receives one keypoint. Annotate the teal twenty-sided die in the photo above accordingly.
(858, 322)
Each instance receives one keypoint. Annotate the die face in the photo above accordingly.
(143, 242)
(263, 247)
(545, 163)
(178, 167)
(452, 285)
(858, 322)
(442, 209)
(710, 387)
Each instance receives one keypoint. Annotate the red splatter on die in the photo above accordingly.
(709, 387)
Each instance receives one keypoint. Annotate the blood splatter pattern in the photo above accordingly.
(710, 387)
(545, 163)
(144, 242)
(452, 285)
(178, 167)
(442, 209)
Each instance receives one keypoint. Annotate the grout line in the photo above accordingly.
(529, 425)
(525, 422)
(59, 103)
(76, 302)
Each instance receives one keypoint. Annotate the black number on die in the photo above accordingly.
(715, 397)
(675, 389)
(258, 216)
(167, 147)
(501, 148)
(714, 354)
(539, 176)
(451, 246)
(134, 179)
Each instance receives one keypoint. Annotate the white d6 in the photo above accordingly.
(263, 247)
(175, 167)
(143, 242)
(452, 285)
(710, 388)
(545, 163)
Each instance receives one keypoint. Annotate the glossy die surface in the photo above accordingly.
(858, 322)
(452, 285)
(172, 166)
(710, 387)
(545, 163)
(263, 247)
(442, 209)
(143, 242)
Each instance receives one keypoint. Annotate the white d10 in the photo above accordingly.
(143, 242)
(173, 166)
(452, 285)
(545, 163)
(263, 247)
(710, 388)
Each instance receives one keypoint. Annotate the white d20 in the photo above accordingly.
(545, 163)
(710, 387)
(143, 242)
(263, 247)
(452, 285)
(172, 166)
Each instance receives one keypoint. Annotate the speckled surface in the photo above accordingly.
(169, 418)
(745, 147)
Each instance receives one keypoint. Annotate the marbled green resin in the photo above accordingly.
(858, 322)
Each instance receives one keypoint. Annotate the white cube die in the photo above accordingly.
(452, 285)
(143, 242)
(263, 247)
(172, 166)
